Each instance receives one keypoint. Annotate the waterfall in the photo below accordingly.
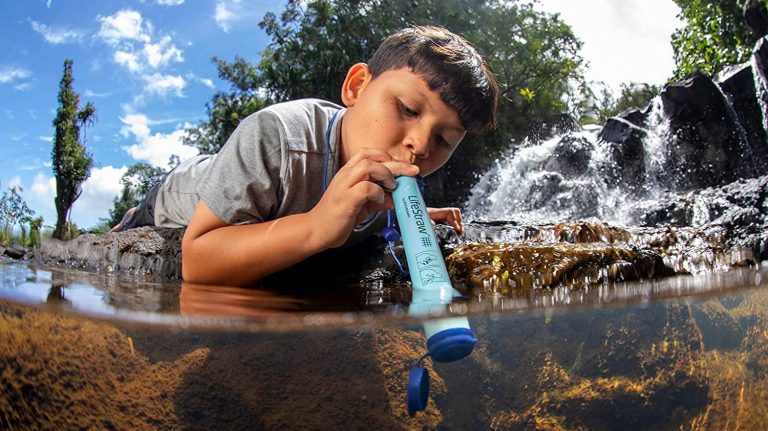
(572, 176)
(694, 135)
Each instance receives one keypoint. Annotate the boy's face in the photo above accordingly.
(399, 114)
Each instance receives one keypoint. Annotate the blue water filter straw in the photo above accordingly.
(448, 339)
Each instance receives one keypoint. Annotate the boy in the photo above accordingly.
(301, 177)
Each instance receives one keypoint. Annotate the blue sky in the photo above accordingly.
(146, 66)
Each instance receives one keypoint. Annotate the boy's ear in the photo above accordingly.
(357, 79)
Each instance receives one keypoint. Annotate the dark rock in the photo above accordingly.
(739, 211)
(13, 251)
(760, 56)
(756, 17)
(738, 84)
(145, 250)
(626, 154)
(552, 125)
(710, 148)
(570, 157)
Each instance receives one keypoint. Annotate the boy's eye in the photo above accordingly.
(406, 110)
(442, 142)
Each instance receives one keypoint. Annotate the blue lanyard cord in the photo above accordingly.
(328, 150)
(390, 223)
(391, 250)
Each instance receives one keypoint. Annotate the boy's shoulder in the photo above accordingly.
(299, 124)
(302, 109)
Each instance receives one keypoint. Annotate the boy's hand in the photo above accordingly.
(450, 216)
(357, 190)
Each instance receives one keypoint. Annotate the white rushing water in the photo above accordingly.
(564, 178)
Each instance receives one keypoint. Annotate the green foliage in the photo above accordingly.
(35, 238)
(534, 55)
(71, 162)
(597, 109)
(226, 110)
(13, 211)
(714, 36)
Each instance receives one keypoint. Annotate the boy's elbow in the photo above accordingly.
(190, 269)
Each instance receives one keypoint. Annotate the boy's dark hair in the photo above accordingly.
(449, 65)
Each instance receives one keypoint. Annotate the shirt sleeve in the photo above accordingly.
(243, 183)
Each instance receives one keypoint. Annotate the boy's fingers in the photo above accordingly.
(369, 154)
(397, 167)
(368, 170)
(401, 168)
(377, 172)
(369, 192)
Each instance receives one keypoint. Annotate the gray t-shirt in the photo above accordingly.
(271, 166)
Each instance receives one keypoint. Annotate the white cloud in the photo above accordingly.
(15, 182)
(56, 36)
(164, 2)
(161, 53)
(223, 15)
(44, 185)
(48, 139)
(125, 25)
(91, 93)
(24, 86)
(156, 148)
(41, 196)
(99, 189)
(138, 51)
(229, 12)
(10, 74)
(205, 81)
(163, 85)
(135, 124)
(129, 60)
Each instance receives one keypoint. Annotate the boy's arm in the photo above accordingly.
(217, 253)
(214, 252)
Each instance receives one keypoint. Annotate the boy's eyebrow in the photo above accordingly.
(458, 129)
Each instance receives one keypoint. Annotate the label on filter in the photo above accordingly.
(429, 267)
(413, 207)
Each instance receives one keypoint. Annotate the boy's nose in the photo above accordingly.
(418, 146)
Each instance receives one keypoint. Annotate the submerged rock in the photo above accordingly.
(500, 268)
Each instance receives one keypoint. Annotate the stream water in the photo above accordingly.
(83, 350)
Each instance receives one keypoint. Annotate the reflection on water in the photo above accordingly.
(203, 300)
(129, 298)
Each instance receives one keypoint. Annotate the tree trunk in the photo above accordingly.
(62, 209)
